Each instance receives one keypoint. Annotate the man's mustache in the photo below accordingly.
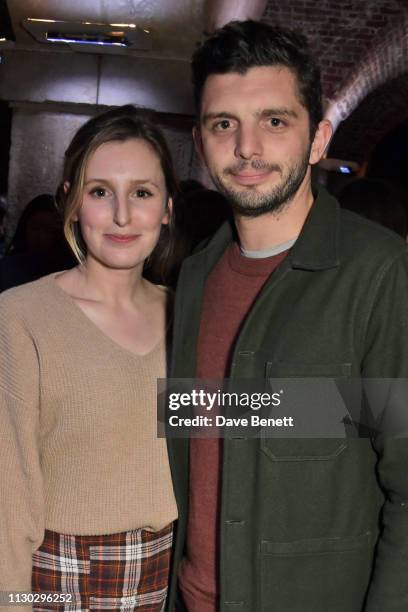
(255, 164)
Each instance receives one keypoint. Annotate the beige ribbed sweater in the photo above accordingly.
(78, 446)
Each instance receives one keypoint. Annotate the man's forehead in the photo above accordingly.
(255, 73)
(259, 90)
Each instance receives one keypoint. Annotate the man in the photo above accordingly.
(299, 288)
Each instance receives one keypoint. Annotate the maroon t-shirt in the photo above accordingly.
(230, 291)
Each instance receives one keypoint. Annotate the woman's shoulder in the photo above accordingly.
(25, 298)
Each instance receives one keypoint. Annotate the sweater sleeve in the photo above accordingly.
(21, 487)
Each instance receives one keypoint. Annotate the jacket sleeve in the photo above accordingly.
(387, 359)
(21, 486)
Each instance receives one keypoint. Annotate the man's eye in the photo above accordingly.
(98, 192)
(143, 193)
(276, 122)
(223, 125)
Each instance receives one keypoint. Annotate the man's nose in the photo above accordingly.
(121, 211)
(248, 142)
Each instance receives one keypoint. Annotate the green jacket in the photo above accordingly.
(310, 525)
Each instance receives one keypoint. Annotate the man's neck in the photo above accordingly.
(270, 229)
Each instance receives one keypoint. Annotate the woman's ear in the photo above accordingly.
(169, 212)
(66, 187)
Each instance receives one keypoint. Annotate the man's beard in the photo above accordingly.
(251, 203)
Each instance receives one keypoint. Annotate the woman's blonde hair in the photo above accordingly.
(119, 124)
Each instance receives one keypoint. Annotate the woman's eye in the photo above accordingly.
(143, 193)
(99, 192)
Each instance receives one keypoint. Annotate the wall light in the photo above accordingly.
(339, 165)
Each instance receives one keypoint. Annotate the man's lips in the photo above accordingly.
(250, 178)
(122, 238)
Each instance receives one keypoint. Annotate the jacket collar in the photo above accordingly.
(317, 247)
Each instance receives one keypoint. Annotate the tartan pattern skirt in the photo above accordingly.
(124, 571)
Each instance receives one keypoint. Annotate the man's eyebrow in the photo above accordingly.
(277, 112)
(281, 111)
(217, 115)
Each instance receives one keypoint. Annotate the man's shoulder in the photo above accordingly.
(362, 238)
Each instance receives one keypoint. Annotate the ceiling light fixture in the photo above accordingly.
(123, 25)
(84, 35)
(71, 41)
(41, 20)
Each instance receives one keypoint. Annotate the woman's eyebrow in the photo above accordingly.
(133, 182)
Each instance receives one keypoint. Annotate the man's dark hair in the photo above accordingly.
(241, 45)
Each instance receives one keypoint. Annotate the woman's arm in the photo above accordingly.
(21, 486)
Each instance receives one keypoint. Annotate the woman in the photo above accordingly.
(87, 502)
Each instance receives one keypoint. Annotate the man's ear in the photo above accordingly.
(198, 143)
(168, 213)
(321, 140)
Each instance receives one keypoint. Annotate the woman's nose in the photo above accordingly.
(121, 211)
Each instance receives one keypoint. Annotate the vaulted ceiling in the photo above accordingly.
(362, 47)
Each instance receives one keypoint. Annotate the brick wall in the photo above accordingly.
(339, 33)
(362, 47)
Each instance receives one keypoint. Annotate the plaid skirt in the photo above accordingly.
(124, 571)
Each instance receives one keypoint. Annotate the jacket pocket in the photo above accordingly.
(288, 369)
(313, 400)
(297, 449)
(315, 575)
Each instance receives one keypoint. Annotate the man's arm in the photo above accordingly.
(387, 358)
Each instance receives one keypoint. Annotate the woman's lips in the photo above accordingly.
(122, 238)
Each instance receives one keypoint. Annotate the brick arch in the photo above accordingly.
(383, 61)
(360, 44)
(378, 114)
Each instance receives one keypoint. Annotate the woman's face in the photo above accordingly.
(124, 203)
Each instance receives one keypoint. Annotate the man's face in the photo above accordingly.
(254, 136)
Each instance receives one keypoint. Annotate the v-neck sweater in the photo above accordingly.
(79, 450)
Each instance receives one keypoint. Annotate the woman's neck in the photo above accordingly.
(112, 286)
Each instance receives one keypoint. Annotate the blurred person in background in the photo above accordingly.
(38, 246)
(378, 200)
(87, 499)
(198, 214)
(39, 227)
(3, 211)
